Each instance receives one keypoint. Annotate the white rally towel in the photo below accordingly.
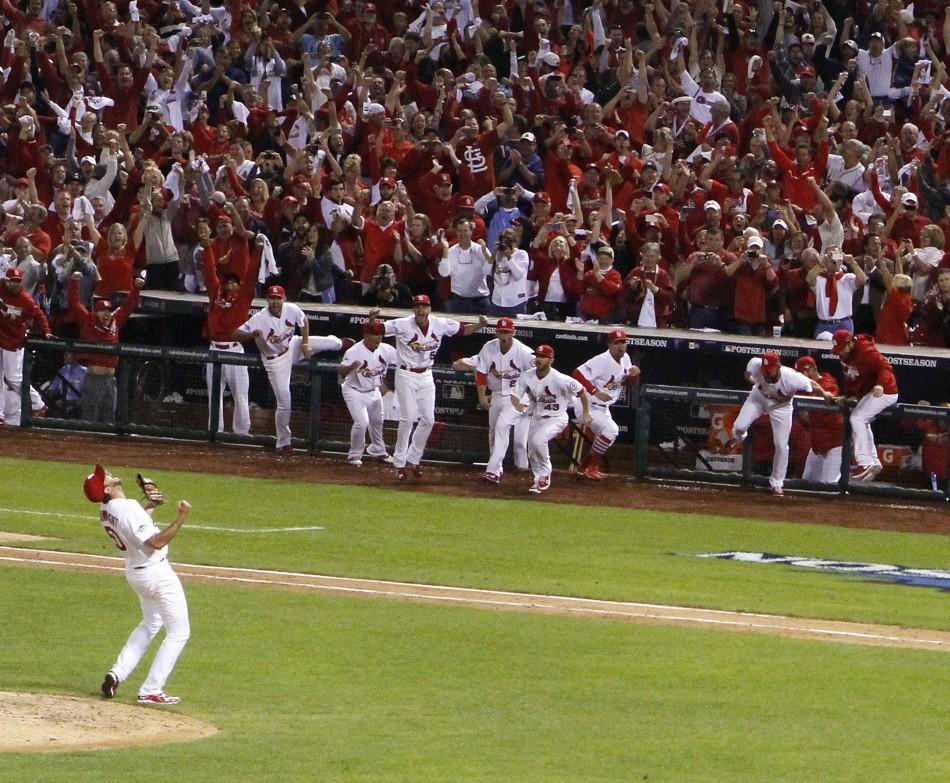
(269, 266)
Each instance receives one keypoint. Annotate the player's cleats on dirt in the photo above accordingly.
(491, 478)
(544, 483)
(415, 469)
(356, 463)
(593, 473)
(402, 474)
(109, 686)
(868, 473)
(778, 492)
(158, 698)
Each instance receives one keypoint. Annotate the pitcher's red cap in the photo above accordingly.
(95, 485)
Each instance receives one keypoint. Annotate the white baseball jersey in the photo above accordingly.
(551, 395)
(276, 333)
(130, 526)
(607, 375)
(789, 383)
(416, 348)
(372, 369)
(503, 369)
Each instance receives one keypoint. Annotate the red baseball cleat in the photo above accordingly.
(491, 478)
(593, 473)
(778, 492)
(158, 698)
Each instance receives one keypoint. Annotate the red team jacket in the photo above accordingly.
(16, 315)
(92, 331)
(826, 428)
(226, 312)
(866, 368)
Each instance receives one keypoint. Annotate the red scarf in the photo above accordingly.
(831, 291)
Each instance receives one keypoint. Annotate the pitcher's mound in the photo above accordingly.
(43, 723)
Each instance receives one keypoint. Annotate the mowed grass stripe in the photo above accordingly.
(501, 600)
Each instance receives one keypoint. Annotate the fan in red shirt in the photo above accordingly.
(18, 311)
(755, 280)
(868, 377)
(897, 308)
(115, 258)
(602, 289)
(476, 153)
(795, 173)
(382, 240)
(228, 250)
(826, 430)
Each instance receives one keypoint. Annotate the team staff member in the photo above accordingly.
(102, 325)
(604, 377)
(274, 329)
(363, 374)
(149, 574)
(869, 379)
(228, 306)
(823, 463)
(549, 393)
(18, 310)
(498, 366)
(773, 387)
(418, 338)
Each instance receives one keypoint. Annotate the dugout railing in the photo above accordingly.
(164, 392)
(682, 433)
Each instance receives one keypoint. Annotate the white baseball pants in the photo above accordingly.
(502, 416)
(278, 372)
(867, 409)
(415, 392)
(602, 424)
(780, 416)
(823, 468)
(366, 410)
(235, 378)
(163, 605)
(540, 434)
(11, 370)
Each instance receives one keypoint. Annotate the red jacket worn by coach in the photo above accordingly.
(866, 368)
(92, 331)
(17, 312)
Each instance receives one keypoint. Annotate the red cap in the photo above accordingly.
(616, 335)
(14, 274)
(466, 202)
(544, 350)
(803, 363)
(276, 290)
(840, 340)
(771, 361)
(288, 201)
(542, 198)
(95, 485)
(444, 179)
(505, 325)
(421, 299)
(807, 71)
(374, 327)
(387, 181)
(101, 304)
(22, 182)
(224, 219)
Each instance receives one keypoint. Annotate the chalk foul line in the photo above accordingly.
(86, 518)
(802, 628)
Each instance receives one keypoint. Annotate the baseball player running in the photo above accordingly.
(273, 328)
(363, 374)
(17, 311)
(823, 463)
(604, 377)
(550, 393)
(498, 366)
(418, 337)
(868, 377)
(773, 387)
(145, 548)
(228, 304)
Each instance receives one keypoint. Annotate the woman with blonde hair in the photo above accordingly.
(922, 262)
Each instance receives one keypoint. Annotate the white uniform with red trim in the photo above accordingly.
(361, 393)
(280, 349)
(415, 389)
(775, 401)
(550, 396)
(502, 371)
(160, 593)
(605, 374)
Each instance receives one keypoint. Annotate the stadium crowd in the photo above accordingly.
(737, 166)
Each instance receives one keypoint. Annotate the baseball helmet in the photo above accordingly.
(95, 485)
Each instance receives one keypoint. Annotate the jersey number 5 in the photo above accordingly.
(115, 537)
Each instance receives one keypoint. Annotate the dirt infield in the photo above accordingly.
(45, 723)
(463, 481)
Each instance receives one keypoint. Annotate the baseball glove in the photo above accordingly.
(150, 490)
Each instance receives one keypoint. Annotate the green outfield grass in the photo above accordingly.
(307, 688)
(611, 553)
(310, 687)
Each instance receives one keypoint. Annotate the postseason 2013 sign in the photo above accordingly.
(904, 575)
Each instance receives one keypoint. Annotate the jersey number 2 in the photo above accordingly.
(115, 537)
